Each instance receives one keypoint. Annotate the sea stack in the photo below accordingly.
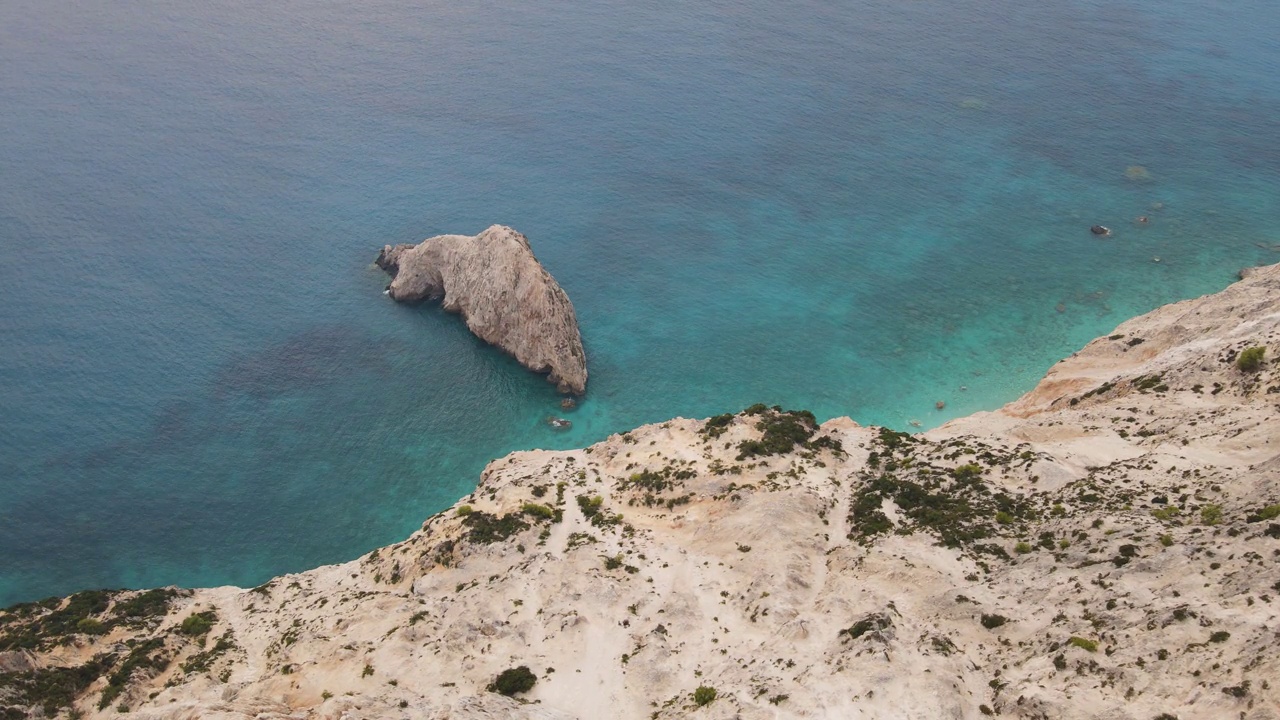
(502, 292)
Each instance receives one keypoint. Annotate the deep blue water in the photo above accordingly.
(855, 208)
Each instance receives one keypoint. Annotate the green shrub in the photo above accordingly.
(1166, 540)
(590, 505)
(1220, 637)
(870, 623)
(782, 431)
(202, 661)
(716, 426)
(1210, 514)
(1083, 644)
(465, 510)
(89, 626)
(514, 681)
(487, 529)
(704, 695)
(149, 604)
(197, 624)
(1022, 548)
(1238, 691)
(538, 511)
(1251, 359)
(991, 622)
(1271, 512)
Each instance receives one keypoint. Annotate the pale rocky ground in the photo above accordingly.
(502, 292)
(809, 584)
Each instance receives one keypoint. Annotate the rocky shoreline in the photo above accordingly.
(1107, 546)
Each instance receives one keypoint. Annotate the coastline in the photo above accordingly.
(718, 556)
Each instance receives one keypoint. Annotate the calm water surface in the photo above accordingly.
(856, 208)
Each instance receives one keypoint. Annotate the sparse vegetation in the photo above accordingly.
(716, 426)
(704, 696)
(1210, 515)
(198, 624)
(50, 689)
(1083, 643)
(782, 431)
(991, 622)
(514, 681)
(486, 529)
(1270, 512)
(1250, 359)
(871, 623)
(542, 512)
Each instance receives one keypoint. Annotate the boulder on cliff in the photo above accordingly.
(502, 292)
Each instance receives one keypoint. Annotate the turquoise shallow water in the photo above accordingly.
(855, 209)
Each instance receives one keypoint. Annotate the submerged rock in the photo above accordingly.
(502, 292)
(1137, 173)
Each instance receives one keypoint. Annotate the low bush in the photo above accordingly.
(514, 681)
(197, 624)
(1083, 644)
(1271, 512)
(716, 426)
(991, 622)
(538, 511)
(1210, 514)
(1251, 358)
(486, 529)
(870, 623)
(704, 695)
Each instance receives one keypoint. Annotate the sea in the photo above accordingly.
(856, 207)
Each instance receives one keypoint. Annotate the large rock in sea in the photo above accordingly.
(502, 292)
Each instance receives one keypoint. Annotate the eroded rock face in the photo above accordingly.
(502, 292)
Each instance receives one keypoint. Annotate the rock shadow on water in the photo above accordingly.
(316, 359)
(319, 357)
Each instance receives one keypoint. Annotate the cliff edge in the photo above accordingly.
(502, 292)
(1108, 546)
